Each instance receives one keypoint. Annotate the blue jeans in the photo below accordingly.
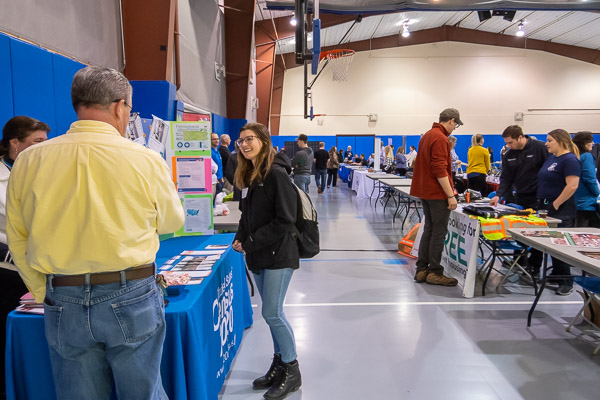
(320, 177)
(302, 181)
(272, 285)
(97, 333)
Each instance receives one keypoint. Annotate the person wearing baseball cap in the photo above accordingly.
(432, 183)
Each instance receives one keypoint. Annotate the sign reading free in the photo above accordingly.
(459, 257)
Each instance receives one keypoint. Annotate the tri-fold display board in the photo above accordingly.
(186, 147)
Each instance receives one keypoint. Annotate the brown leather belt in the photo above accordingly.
(100, 278)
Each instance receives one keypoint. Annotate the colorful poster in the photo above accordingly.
(159, 133)
(135, 131)
(198, 214)
(192, 174)
(191, 136)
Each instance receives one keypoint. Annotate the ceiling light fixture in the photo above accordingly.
(405, 30)
(521, 31)
(293, 21)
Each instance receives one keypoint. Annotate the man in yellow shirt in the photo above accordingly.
(84, 211)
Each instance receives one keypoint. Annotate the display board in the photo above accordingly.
(189, 152)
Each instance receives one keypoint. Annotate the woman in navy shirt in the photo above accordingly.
(558, 180)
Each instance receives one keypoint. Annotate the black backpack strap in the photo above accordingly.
(249, 277)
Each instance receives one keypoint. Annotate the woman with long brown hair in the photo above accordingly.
(558, 180)
(332, 167)
(267, 236)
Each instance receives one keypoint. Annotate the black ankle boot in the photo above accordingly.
(267, 379)
(289, 380)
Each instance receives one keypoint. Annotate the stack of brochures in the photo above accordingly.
(27, 304)
(191, 266)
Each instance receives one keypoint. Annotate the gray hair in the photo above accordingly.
(98, 86)
(452, 138)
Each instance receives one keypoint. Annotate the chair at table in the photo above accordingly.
(591, 287)
(512, 256)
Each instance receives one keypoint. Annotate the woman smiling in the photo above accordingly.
(267, 236)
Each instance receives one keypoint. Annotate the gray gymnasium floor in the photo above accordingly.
(365, 330)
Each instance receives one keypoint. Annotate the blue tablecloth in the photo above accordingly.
(343, 172)
(200, 343)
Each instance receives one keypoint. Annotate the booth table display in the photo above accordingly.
(205, 325)
(344, 171)
(568, 254)
(461, 247)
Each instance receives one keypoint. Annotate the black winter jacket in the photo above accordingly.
(267, 225)
(520, 169)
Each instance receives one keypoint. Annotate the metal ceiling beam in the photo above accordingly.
(454, 34)
(280, 28)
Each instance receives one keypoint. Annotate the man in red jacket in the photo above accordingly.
(432, 182)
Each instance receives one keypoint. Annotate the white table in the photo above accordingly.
(231, 221)
(361, 184)
(568, 254)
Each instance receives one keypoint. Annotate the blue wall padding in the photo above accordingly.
(365, 145)
(63, 70)
(221, 125)
(6, 96)
(33, 82)
(154, 98)
(343, 142)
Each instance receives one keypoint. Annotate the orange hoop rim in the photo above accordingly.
(337, 53)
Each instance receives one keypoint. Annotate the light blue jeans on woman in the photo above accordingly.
(272, 285)
(98, 334)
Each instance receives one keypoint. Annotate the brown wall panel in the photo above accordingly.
(239, 17)
(265, 58)
(148, 29)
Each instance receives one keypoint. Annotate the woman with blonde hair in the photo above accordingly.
(388, 160)
(558, 180)
(478, 165)
(267, 236)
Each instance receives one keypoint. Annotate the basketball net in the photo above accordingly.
(340, 61)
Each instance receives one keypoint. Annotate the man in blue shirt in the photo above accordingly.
(216, 157)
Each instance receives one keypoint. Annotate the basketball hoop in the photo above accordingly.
(340, 61)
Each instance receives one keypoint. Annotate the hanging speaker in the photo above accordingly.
(507, 15)
(484, 15)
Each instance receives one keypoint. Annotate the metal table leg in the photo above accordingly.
(540, 291)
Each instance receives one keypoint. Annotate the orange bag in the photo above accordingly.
(405, 244)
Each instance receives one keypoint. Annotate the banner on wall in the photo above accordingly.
(459, 257)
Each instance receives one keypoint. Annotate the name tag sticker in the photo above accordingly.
(244, 193)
